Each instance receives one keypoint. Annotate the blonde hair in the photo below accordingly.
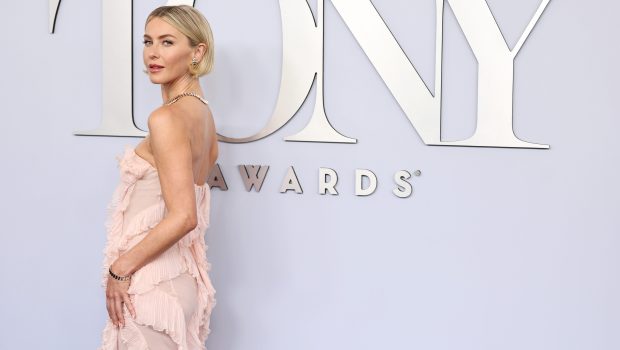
(196, 28)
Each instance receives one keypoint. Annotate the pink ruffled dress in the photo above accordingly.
(172, 295)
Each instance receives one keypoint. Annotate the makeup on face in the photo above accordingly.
(165, 54)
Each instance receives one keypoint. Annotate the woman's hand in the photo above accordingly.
(116, 294)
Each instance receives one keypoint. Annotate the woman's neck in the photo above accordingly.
(179, 86)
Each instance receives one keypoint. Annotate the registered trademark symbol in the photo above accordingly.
(417, 173)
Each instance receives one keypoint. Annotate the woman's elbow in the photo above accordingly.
(191, 221)
(187, 222)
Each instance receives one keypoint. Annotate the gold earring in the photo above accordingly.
(194, 62)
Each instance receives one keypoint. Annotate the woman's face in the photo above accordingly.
(167, 52)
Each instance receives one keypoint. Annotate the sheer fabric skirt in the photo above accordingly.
(185, 290)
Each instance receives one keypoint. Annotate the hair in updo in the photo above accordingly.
(196, 28)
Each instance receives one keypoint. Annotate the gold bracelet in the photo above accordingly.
(117, 277)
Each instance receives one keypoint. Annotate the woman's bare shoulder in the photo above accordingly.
(166, 119)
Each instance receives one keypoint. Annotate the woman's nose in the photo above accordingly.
(151, 52)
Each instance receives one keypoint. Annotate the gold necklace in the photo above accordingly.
(177, 97)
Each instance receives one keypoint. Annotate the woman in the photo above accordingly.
(158, 292)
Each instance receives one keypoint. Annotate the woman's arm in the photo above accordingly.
(169, 141)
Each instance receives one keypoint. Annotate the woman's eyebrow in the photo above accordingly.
(161, 36)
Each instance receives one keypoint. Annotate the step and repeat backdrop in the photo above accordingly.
(392, 174)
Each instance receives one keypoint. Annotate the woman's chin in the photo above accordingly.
(156, 80)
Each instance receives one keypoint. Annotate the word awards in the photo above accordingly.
(253, 176)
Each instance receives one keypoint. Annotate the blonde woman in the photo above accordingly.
(158, 292)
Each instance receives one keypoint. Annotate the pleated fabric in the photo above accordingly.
(167, 302)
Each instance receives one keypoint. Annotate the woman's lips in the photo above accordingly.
(154, 68)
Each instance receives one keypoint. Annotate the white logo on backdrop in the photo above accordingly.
(303, 61)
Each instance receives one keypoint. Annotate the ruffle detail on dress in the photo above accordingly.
(206, 301)
(165, 267)
(154, 307)
(130, 172)
(109, 336)
(172, 262)
(142, 222)
(131, 336)
(162, 312)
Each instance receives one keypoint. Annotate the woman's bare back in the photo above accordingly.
(203, 138)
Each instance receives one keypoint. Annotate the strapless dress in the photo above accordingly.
(172, 295)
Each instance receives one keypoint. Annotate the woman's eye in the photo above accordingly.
(147, 42)
(167, 42)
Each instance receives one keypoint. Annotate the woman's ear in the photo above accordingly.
(200, 50)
